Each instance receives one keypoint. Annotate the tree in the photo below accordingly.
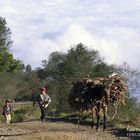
(5, 35)
(64, 68)
(11, 78)
(79, 61)
(7, 62)
(28, 68)
(102, 70)
(131, 76)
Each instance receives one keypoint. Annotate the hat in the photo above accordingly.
(43, 88)
(7, 100)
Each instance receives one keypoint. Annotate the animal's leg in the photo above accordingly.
(78, 121)
(98, 116)
(79, 118)
(105, 118)
(98, 121)
(107, 94)
(92, 119)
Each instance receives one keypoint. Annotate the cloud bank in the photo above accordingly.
(41, 27)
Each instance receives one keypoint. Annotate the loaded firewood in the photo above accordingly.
(114, 86)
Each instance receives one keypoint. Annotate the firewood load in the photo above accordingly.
(114, 84)
(77, 94)
(117, 88)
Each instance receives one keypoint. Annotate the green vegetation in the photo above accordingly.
(21, 83)
(128, 114)
(7, 62)
(25, 113)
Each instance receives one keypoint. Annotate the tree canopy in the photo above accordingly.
(7, 61)
(64, 68)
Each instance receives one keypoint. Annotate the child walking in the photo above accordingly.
(7, 111)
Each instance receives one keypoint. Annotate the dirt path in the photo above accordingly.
(36, 130)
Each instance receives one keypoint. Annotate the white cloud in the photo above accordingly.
(8, 10)
(112, 27)
(115, 50)
(117, 45)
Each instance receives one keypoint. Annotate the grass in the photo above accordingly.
(118, 122)
(22, 114)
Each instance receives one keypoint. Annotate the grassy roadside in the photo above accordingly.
(119, 123)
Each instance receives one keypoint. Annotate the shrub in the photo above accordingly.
(25, 113)
(126, 114)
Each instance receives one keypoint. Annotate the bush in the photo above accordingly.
(25, 113)
(1, 118)
(126, 114)
(130, 111)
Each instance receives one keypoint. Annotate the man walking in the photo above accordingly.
(43, 100)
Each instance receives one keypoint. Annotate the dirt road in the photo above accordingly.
(36, 130)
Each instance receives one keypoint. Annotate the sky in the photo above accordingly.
(40, 27)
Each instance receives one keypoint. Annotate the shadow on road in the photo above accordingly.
(85, 126)
(117, 132)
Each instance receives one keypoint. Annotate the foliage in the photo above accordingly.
(102, 70)
(5, 35)
(17, 86)
(7, 62)
(132, 77)
(128, 112)
(64, 68)
(28, 68)
(25, 113)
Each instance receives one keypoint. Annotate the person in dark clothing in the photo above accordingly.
(43, 101)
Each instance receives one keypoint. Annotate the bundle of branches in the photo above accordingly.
(77, 94)
(114, 84)
(117, 88)
(86, 91)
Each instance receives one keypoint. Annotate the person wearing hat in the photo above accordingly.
(43, 101)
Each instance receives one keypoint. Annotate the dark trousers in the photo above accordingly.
(43, 112)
